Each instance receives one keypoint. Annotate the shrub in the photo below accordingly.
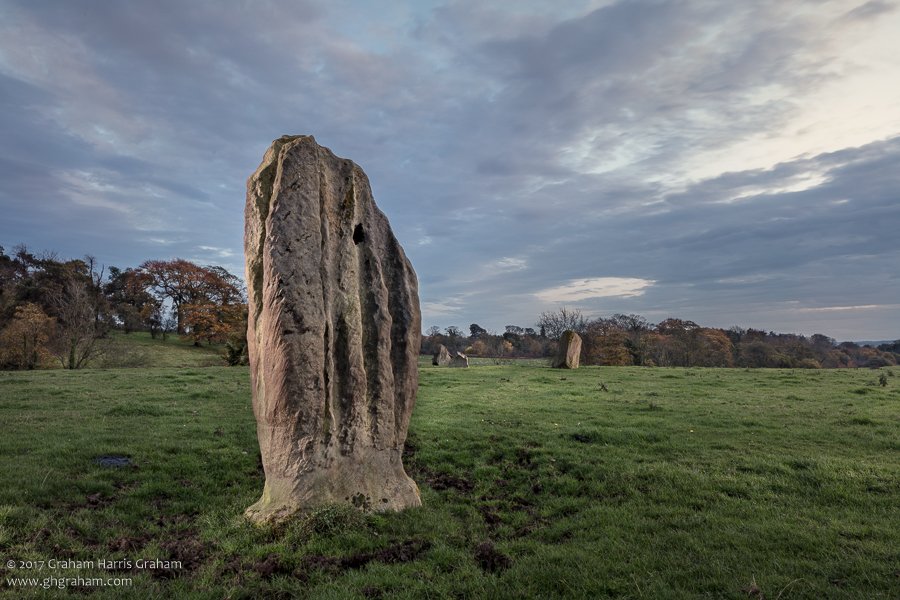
(236, 352)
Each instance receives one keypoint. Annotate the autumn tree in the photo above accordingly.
(214, 322)
(478, 348)
(656, 351)
(757, 353)
(605, 344)
(821, 343)
(710, 348)
(132, 305)
(184, 283)
(23, 342)
(194, 291)
(835, 359)
(635, 328)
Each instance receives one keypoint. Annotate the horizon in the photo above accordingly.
(498, 330)
(729, 166)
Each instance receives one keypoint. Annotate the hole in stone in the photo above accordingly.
(358, 234)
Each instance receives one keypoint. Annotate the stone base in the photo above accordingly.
(378, 484)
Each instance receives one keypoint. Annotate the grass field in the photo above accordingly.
(139, 349)
(595, 483)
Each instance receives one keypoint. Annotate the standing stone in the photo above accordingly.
(569, 353)
(459, 360)
(333, 335)
(441, 357)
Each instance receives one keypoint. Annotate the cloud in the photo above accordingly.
(217, 252)
(508, 263)
(871, 9)
(596, 287)
(797, 182)
(432, 309)
(739, 157)
(749, 279)
(818, 309)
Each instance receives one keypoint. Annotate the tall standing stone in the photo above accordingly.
(568, 355)
(441, 357)
(333, 336)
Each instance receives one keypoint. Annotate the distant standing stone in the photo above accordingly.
(441, 357)
(459, 360)
(569, 354)
(333, 336)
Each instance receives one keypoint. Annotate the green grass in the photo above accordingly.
(139, 349)
(596, 483)
(476, 361)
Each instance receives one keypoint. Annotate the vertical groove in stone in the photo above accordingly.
(332, 409)
(369, 307)
(404, 352)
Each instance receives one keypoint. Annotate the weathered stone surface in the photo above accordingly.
(459, 360)
(333, 336)
(568, 355)
(441, 358)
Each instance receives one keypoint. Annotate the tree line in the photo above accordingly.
(61, 310)
(622, 340)
(54, 310)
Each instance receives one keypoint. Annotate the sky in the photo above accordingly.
(731, 163)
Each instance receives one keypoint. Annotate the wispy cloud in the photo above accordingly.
(826, 309)
(508, 263)
(433, 309)
(596, 287)
(217, 252)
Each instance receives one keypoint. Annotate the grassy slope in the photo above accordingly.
(668, 483)
(138, 349)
